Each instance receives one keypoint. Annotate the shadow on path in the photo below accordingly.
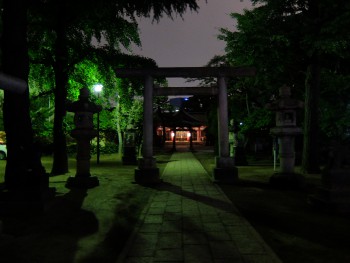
(215, 203)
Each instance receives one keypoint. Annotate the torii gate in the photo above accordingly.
(147, 171)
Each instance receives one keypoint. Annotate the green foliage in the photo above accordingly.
(85, 74)
(42, 102)
(60, 34)
(335, 105)
(84, 22)
(63, 38)
(279, 38)
(42, 119)
(259, 119)
(157, 8)
(41, 79)
(118, 97)
(268, 42)
(106, 147)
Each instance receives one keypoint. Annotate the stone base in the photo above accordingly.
(82, 182)
(225, 175)
(288, 180)
(147, 176)
(225, 171)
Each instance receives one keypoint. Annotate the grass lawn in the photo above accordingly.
(297, 232)
(80, 226)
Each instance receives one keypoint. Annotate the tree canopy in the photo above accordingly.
(304, 44)
(60, 34)
(73, 30)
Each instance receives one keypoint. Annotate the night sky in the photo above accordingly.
(191, 41)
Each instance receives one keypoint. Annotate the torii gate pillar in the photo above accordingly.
(147, 171)
(225, 170)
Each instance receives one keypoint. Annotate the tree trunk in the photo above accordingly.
(23, 168)
(60, 157)
(119, 130)
(311, 148)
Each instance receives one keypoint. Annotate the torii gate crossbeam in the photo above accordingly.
(147, 171)
(187, 72)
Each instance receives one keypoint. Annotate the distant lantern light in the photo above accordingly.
(172, 134)
(241, 123)
(186, 99)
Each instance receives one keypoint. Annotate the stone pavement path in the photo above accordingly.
(189, 219)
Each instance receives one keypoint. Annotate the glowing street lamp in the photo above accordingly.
(98, 89)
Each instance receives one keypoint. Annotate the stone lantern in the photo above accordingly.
(286, 130)
(84, 131)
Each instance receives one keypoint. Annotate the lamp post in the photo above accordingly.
(98, 89)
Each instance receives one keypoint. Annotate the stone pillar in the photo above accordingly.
(83, 133)
(286, 130)
(224, 150)
(147, 171)
(225, 170)
(83, 178)
(83, 152)
(286, 154)
(148, 118)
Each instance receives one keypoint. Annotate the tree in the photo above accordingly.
(122, 95)
(291, 42)
(322, 37)
(23, 169)
(23, 165)
(71, 26)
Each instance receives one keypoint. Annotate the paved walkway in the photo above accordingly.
(189, 219)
